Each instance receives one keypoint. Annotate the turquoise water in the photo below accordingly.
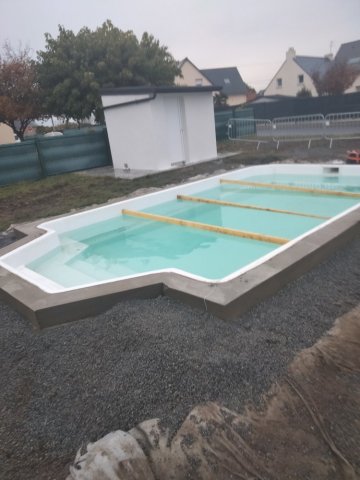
(325, 205)
(266, 223)
(130, 246)
(330, 181)
(127, 246)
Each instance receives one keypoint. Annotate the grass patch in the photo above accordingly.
(29, 201)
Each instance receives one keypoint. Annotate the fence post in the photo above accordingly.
(40, 159)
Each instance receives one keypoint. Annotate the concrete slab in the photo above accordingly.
(131, 174)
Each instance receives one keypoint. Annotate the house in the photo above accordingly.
(350, 53)
(6, 134)
(191, 76)
(228, 78)
(295, 74)
(231, 82)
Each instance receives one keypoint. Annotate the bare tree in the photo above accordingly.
(337, 78)
(20, 101)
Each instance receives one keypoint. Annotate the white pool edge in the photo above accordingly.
(22, 255)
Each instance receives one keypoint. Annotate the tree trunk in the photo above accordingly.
(18, 128)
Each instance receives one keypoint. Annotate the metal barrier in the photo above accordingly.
(334, 126)
(250, 130)
(342, 126)
(223, 116)
(309, 127)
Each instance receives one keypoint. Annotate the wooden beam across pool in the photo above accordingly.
(205, 226)
(223, 203)
(293, 188)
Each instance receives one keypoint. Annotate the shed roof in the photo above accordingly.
(229, 78)
(155, 90)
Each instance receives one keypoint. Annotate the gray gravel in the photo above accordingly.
(7, 237)
(144, 359)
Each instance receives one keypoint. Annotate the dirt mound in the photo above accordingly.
(308, 428)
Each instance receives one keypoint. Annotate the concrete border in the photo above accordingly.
(226, 300)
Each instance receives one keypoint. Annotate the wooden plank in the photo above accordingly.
(278, 186)
(190, 198)
(205, 226)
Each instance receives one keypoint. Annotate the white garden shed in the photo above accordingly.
(159, 128)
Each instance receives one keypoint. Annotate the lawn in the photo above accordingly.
(29, 201)
(32, 200)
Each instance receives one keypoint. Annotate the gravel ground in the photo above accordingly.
(7, 237)
(65, 386)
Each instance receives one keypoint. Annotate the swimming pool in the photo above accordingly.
(211, 231)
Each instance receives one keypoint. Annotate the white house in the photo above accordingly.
(191, 76)
(296, 72)
(228, 78)
(350, 53)
(158, 128)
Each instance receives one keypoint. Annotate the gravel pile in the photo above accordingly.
(72, 384)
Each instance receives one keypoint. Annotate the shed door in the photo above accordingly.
(177, 135)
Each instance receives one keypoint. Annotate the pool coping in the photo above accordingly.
(226, 300)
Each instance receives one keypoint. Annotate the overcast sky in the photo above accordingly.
(252, 35)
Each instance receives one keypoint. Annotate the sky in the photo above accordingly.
(252, 35)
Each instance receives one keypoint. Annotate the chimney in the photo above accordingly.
(329, 56)
(290, 54)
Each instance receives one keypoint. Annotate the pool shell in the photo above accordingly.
(226, 299)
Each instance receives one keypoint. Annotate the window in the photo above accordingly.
(198, 82)
(227, 80)
(300, 79)
(279, 82)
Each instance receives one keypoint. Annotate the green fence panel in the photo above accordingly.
(73, 152)
(41, 156)
(19, 162)
(223, 116)
(244, 113)
(84, 130)
(221, 122)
